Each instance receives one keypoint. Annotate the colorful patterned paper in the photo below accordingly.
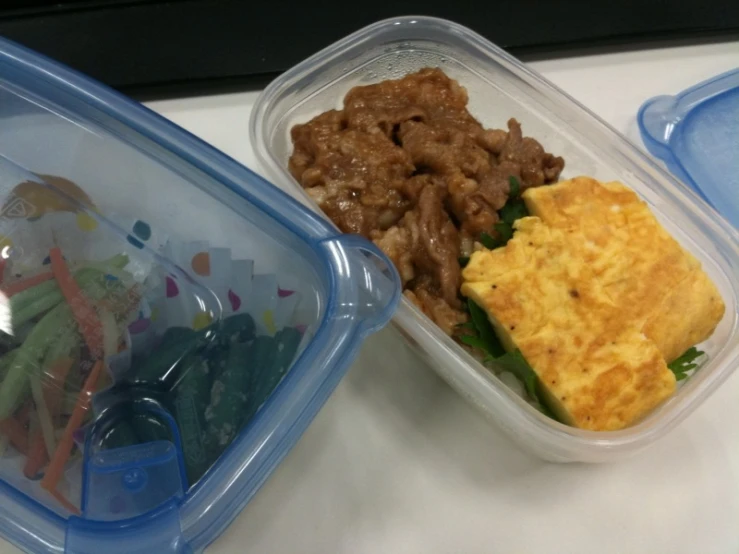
(287, 302)
(263, 303)
(240, 286)
(271, 301)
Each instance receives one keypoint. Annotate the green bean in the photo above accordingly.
(53, 336)
(36, 307)
(34, 301)
(119, 260)
(5, 363)
(43, 297)
(29, 357)
(26, 297)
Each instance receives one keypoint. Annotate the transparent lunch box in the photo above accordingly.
(170, 322)
(500, 87)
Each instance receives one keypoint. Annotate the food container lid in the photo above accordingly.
(171, 321)
(696, 133)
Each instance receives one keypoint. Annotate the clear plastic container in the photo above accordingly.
(500, 87)
(171, 322)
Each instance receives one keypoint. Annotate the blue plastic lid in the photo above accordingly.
(696, 133)
(170, 321)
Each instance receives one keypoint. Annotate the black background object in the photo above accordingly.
(145, 46)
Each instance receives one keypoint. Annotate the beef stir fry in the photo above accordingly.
(406, 165)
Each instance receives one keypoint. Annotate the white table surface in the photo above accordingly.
(396, 462)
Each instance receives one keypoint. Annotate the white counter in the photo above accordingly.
(396, 462)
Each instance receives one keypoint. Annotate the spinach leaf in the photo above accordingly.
(483, 338)
(488, 242)
(684, 363)
(484, 330)
(515, 187)
(514, 209)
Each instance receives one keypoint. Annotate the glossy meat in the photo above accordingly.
(405, 164)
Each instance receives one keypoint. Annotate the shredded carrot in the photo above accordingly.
(37, 457)
(64, 502)
(16, 433)
(64, 448)
(82, 309)
(19, 286)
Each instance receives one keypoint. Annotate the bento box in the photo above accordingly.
(171, 322)
(499, 87)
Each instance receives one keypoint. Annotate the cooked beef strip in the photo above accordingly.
(405, 164)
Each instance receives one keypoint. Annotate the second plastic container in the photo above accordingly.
(170, 321)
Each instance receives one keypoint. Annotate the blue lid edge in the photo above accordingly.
(671, 110)
(172, 137)
(38, 539)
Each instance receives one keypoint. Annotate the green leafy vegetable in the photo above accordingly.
(505, 233)
(483, 338)
(515, 187)
(684, 363)
(488, 242)
(517, 364)
(514, 209)
(485, 331)
(474, 341)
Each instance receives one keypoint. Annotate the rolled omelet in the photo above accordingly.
(656, 282)
(597, 296)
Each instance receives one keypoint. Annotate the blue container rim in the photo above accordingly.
(207, 510)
